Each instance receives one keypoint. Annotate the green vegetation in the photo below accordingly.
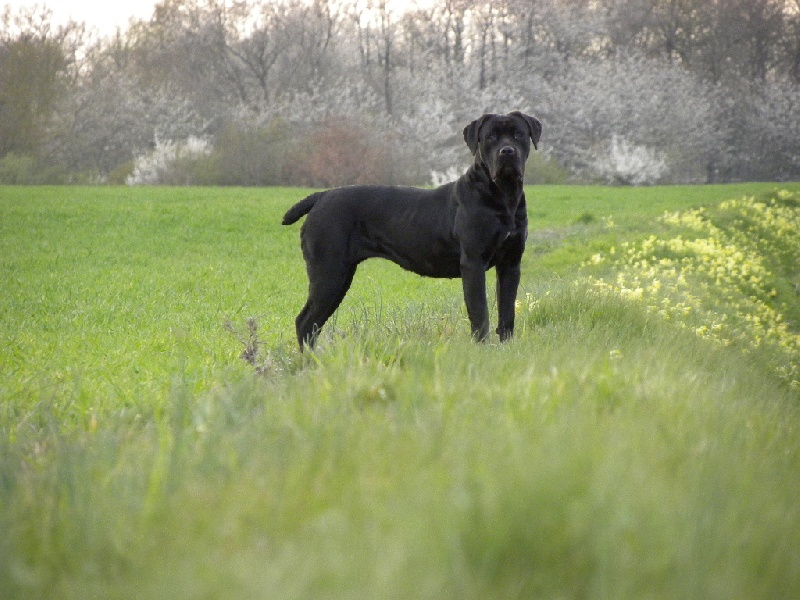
(637, 439)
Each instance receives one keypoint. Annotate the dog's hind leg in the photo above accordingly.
(328, 285)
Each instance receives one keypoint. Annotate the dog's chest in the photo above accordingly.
(504, 232)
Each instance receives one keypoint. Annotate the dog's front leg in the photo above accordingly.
(473, 278)
(507, 284)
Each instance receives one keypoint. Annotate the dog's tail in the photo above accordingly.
(301, 208)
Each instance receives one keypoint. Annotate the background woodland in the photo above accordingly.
(333, 92)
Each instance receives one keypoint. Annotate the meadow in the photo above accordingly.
(638, 438)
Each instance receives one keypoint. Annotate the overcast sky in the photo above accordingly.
(104, 15)
(107, 15)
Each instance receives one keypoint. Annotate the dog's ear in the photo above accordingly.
(472, 132)
(534, 125)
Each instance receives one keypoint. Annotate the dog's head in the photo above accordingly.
(502, 143)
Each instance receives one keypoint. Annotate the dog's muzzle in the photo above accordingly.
(507, 164)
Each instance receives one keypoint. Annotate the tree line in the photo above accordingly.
(331, 92)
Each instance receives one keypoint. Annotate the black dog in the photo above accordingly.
(460, 229)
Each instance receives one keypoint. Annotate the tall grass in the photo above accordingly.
(603, 453)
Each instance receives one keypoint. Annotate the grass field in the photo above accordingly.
(637, 439)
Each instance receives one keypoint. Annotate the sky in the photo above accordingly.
(107, 15)
(104, 15)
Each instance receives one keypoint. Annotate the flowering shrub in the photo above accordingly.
(441, 177)
(168, 162)
(718, 275)
(630, 164)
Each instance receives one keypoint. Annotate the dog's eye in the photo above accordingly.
(519, 135)
(492, 137)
